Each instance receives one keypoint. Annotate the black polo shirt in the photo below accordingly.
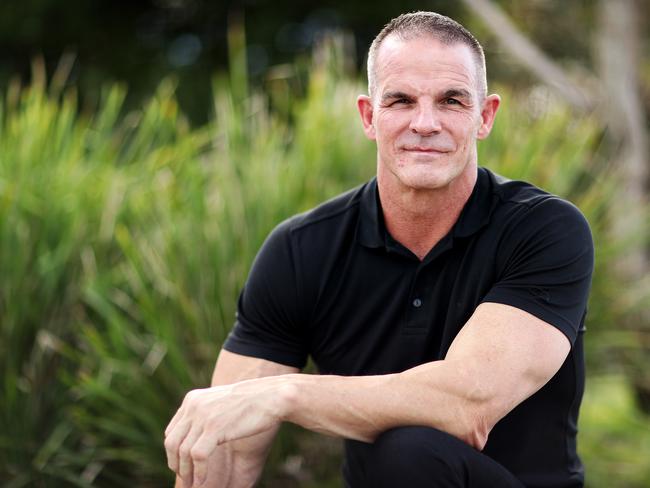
(332, 283)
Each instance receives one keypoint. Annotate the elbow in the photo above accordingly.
(476, 432)
(468, 426)
(479, 412)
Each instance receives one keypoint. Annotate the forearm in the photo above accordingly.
(440, 394)
(499, 358)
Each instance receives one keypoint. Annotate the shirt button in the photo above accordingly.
(417, 303)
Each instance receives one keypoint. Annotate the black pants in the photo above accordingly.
(418, 457)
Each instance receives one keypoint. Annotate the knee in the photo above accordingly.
(415, 456)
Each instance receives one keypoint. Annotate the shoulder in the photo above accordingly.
(523, 204)
(530, 227)
(331, 214)
(543, 254)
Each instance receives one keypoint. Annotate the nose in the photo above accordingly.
(425, 120)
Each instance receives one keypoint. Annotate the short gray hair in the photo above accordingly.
(420, 24)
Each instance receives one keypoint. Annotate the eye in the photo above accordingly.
(401, 101)
(452, 101)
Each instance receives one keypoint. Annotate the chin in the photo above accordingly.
(426, 179)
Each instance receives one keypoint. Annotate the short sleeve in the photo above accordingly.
(545, 265)
(268, 323)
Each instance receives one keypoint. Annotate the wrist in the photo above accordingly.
(287, 396)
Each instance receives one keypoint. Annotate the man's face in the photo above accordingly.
(426, 113)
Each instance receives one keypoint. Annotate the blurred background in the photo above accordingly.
(148, 147)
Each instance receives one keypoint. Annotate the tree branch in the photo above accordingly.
(619, 57)
(529, 55)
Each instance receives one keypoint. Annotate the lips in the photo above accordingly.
(426, 149)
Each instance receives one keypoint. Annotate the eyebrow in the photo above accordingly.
(394, 95)
(451, 93)
(457, 93)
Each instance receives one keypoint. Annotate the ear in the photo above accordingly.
(488, 113)
(364, 104)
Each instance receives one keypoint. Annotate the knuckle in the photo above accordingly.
(187, 401)
(199, 454)
(170, 445)
(192, 400)
(184, 451)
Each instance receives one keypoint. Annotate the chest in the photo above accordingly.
(377, 311)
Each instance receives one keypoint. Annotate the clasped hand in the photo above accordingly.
(212, 416)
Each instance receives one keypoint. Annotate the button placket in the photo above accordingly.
(416, 310)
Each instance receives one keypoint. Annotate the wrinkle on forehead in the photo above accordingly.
(423, 59)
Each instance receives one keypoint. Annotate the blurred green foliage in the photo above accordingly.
(615, 438)
(125, 237)
(139, 42)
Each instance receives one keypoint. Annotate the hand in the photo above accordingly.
(212, 416)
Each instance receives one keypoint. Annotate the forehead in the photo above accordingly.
(424, 60)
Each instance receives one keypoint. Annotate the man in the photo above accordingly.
(442, 304)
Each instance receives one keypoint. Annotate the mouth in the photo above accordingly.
(425, 149)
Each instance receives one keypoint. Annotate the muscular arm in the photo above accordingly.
(238, 463)
(501, 357)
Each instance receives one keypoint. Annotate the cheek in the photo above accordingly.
(392, 123)
(387, 133)
(464, 131)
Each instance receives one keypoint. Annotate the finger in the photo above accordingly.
(186, 407)
(173, 442)
(175, 419)
(185, 461)
(201, 451)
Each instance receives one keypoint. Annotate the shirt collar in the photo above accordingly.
(371, 230)
(478, 210)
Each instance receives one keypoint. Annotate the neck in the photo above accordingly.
(419, 218)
